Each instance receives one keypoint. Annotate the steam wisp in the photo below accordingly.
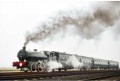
(53, 65)
(73, 61)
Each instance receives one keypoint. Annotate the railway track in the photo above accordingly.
(83, 75)
(103, 76)
(92, 76)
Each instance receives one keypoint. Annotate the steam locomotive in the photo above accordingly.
(37, 61)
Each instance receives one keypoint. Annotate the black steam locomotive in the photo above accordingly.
(37, 61)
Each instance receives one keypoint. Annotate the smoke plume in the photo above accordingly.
(88, 24)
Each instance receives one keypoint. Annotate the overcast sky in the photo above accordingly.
(18, 17)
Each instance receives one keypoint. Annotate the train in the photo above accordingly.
(37, 61)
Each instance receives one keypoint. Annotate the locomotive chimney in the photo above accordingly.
(24, 48)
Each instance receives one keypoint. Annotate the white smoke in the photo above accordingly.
(53, 65)
(73, 61)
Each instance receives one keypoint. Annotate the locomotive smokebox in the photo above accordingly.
(24, 48)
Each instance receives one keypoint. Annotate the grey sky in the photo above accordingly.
(18, 17)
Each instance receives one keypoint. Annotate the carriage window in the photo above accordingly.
(80, 60)
(52, 54)
(89, 60)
